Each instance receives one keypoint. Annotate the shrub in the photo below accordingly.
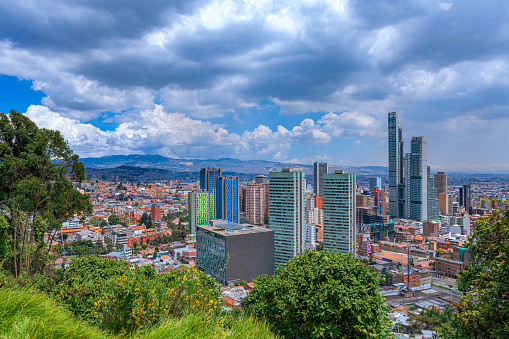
(321, 295)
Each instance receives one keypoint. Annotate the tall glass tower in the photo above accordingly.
(319, 169)
(396, 184)
(419, 179)
(339, 227)
(286, 213)
(227, 198)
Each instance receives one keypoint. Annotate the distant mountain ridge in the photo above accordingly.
(226, 164)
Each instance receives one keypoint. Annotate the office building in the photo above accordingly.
(257, 203)
(199, 209)
(339, 227)
(319, 169)
(464, 198)
(231, 252)
(441, 183)
(396, 184)
(375, 182)
(445, 204)
(227, 198)
(208, 177)
(379, 201)
(286, 213)
(261, 179)
(406, 186)
(418, 179)
(432, 199)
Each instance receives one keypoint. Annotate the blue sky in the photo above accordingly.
(292, 81)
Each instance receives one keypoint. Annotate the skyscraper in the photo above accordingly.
(257, 203)
(339, 228)
(432, 199)
(396, 185)
(227, 198)
(441, 183)
(199, 209)
(319, 169)
(286, 213)
(375, 182)
(418, 179)
(208, 178)
(261, 179)
(464, 198)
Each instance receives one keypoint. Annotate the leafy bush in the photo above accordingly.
(135, 300)
(321, 295)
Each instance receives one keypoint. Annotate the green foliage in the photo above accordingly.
(113, 219)
(484, 308)
(441, 321)
(321, 295)
(29, 314)
(37, 170)
(146, 220)
(137, 300)
(85, 248)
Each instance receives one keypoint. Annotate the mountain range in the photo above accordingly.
(252, 167)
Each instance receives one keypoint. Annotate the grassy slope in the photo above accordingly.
(27, 314)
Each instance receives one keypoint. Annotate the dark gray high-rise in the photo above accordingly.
(319, 169)
(396, 183)
(464, 198)
(419, 179)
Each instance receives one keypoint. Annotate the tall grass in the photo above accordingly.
(26, 313)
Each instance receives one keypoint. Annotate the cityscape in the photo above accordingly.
(254, 169)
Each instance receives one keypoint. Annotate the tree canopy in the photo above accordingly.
(37, 194)
(320, 294)
(484, 308)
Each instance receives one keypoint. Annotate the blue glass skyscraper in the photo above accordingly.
(227, 198)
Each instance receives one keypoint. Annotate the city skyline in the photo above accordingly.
(294, 82)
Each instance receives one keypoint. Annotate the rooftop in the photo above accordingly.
(224, 228)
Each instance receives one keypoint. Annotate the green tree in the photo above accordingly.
(321, 295)
(37, 194)
(146, 220)
(113, 219)
(484, 307)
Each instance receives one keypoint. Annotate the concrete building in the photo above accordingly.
(311, 236)
(319, 169)
(227, 198)
(430, 227)
(440, 183)
(232, 252)
(375, 182)
(445, 203)
(199, 209)
(418, 179)
(379, 201)
(116, 239)
(314, 216)
(261, 179)
(257, 203)
(87, 235)
(156, 212)
(286, 213)
(339, 227)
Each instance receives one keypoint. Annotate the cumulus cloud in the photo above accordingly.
(176, 135)
(206, 59)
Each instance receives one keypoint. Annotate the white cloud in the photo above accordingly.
(445, 6)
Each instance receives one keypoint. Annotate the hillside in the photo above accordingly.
(252, 167)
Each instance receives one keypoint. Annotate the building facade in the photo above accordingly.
(286, 213)
(208, 178)
(418, 179)
(227, 198)
(319, 169)
(339, 227)
(257, 203)
(199, 209)
(232, 252)
(441, 183)
(396, 183)
(375, 182)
